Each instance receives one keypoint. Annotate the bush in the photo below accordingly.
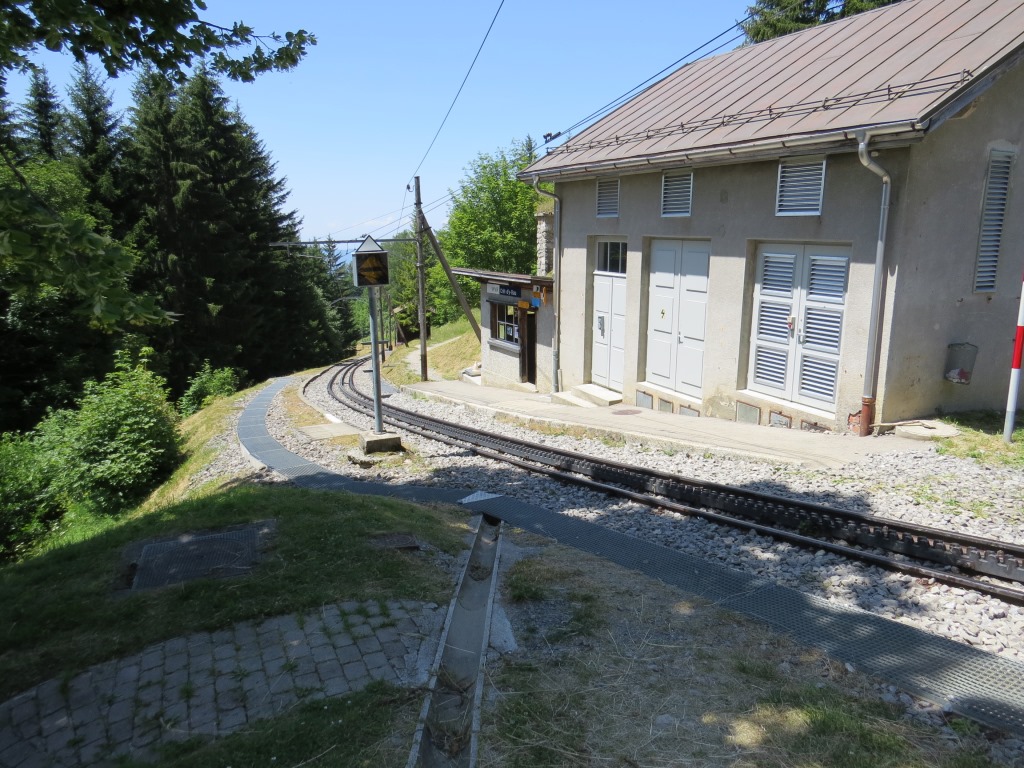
(123, 442)
(28, 506)
(206, 386)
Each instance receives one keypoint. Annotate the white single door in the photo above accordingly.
(799, 306)
(609, 329)
(677, 315)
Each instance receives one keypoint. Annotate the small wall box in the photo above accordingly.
(960, 362)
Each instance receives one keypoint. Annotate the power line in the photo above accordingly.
(620, 100)
(452, 106)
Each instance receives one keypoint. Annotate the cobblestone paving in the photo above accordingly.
(212, 683)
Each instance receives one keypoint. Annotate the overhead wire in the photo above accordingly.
(396, 225)
(622, 99)
(459, 92)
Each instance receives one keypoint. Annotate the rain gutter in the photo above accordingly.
(557, 300)
(867, 413)
(901, 132)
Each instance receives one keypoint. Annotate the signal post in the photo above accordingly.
(370, 265)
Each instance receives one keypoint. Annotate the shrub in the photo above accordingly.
(28, 506)
(206, 386)
(123, 441)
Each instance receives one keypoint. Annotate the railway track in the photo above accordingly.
(970, 562)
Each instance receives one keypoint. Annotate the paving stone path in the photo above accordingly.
(212, 683)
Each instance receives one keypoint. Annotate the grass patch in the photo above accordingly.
(827, 727)
(540, 722)
(63, 610)
(62, 613)
(450, 331)
(530, 579)
(455, 356)
(586, 618)
(353, 730)
(450, 349)
(981, 438)
(662, 680)
(757, 669)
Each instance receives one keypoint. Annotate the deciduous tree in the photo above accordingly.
(492, 224)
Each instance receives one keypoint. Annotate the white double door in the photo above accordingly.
(677, 317)
(797, 332)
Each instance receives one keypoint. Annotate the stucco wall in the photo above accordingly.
(499, 362)
(733, 208)
(935, 250)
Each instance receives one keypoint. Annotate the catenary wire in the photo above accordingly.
(598, 113)
(459, 92)
(620, 100)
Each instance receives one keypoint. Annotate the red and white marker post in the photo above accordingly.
(1018, 353)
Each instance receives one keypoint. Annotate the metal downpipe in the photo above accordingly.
(557, 256)
(867, 413)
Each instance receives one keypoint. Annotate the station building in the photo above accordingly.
(821, 231)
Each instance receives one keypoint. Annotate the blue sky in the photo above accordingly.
(349, 126)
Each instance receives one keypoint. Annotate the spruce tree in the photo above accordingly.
(8, 126)
(95, 140)
(43, 123)
(212, 207)
(773, 18)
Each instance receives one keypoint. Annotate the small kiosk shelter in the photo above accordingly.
(516, 324)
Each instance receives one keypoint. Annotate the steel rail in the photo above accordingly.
(805, 524)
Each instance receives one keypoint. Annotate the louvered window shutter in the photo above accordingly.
(818, 378)
(797, 328)
(801, 186)
(608, 197)
(676, 194)
(821, 327)
(774, 308)
(993, 213)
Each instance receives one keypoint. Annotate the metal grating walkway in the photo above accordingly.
(974, 683)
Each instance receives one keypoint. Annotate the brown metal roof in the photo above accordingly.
(503, 277)
(890, 70)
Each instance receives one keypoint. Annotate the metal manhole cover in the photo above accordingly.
(626, 412)
(210, 556)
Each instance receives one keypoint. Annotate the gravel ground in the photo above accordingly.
(919, 487)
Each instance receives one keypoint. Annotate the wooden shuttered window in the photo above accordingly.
(800, 299)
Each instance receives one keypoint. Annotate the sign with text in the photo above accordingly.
(504, 290)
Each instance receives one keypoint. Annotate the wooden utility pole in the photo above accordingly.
(451, 277)
(421, 282)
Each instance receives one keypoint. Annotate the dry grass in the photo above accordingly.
(299, 414)
(662, 680)
(453, 357)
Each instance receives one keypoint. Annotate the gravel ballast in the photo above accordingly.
(922, 486)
